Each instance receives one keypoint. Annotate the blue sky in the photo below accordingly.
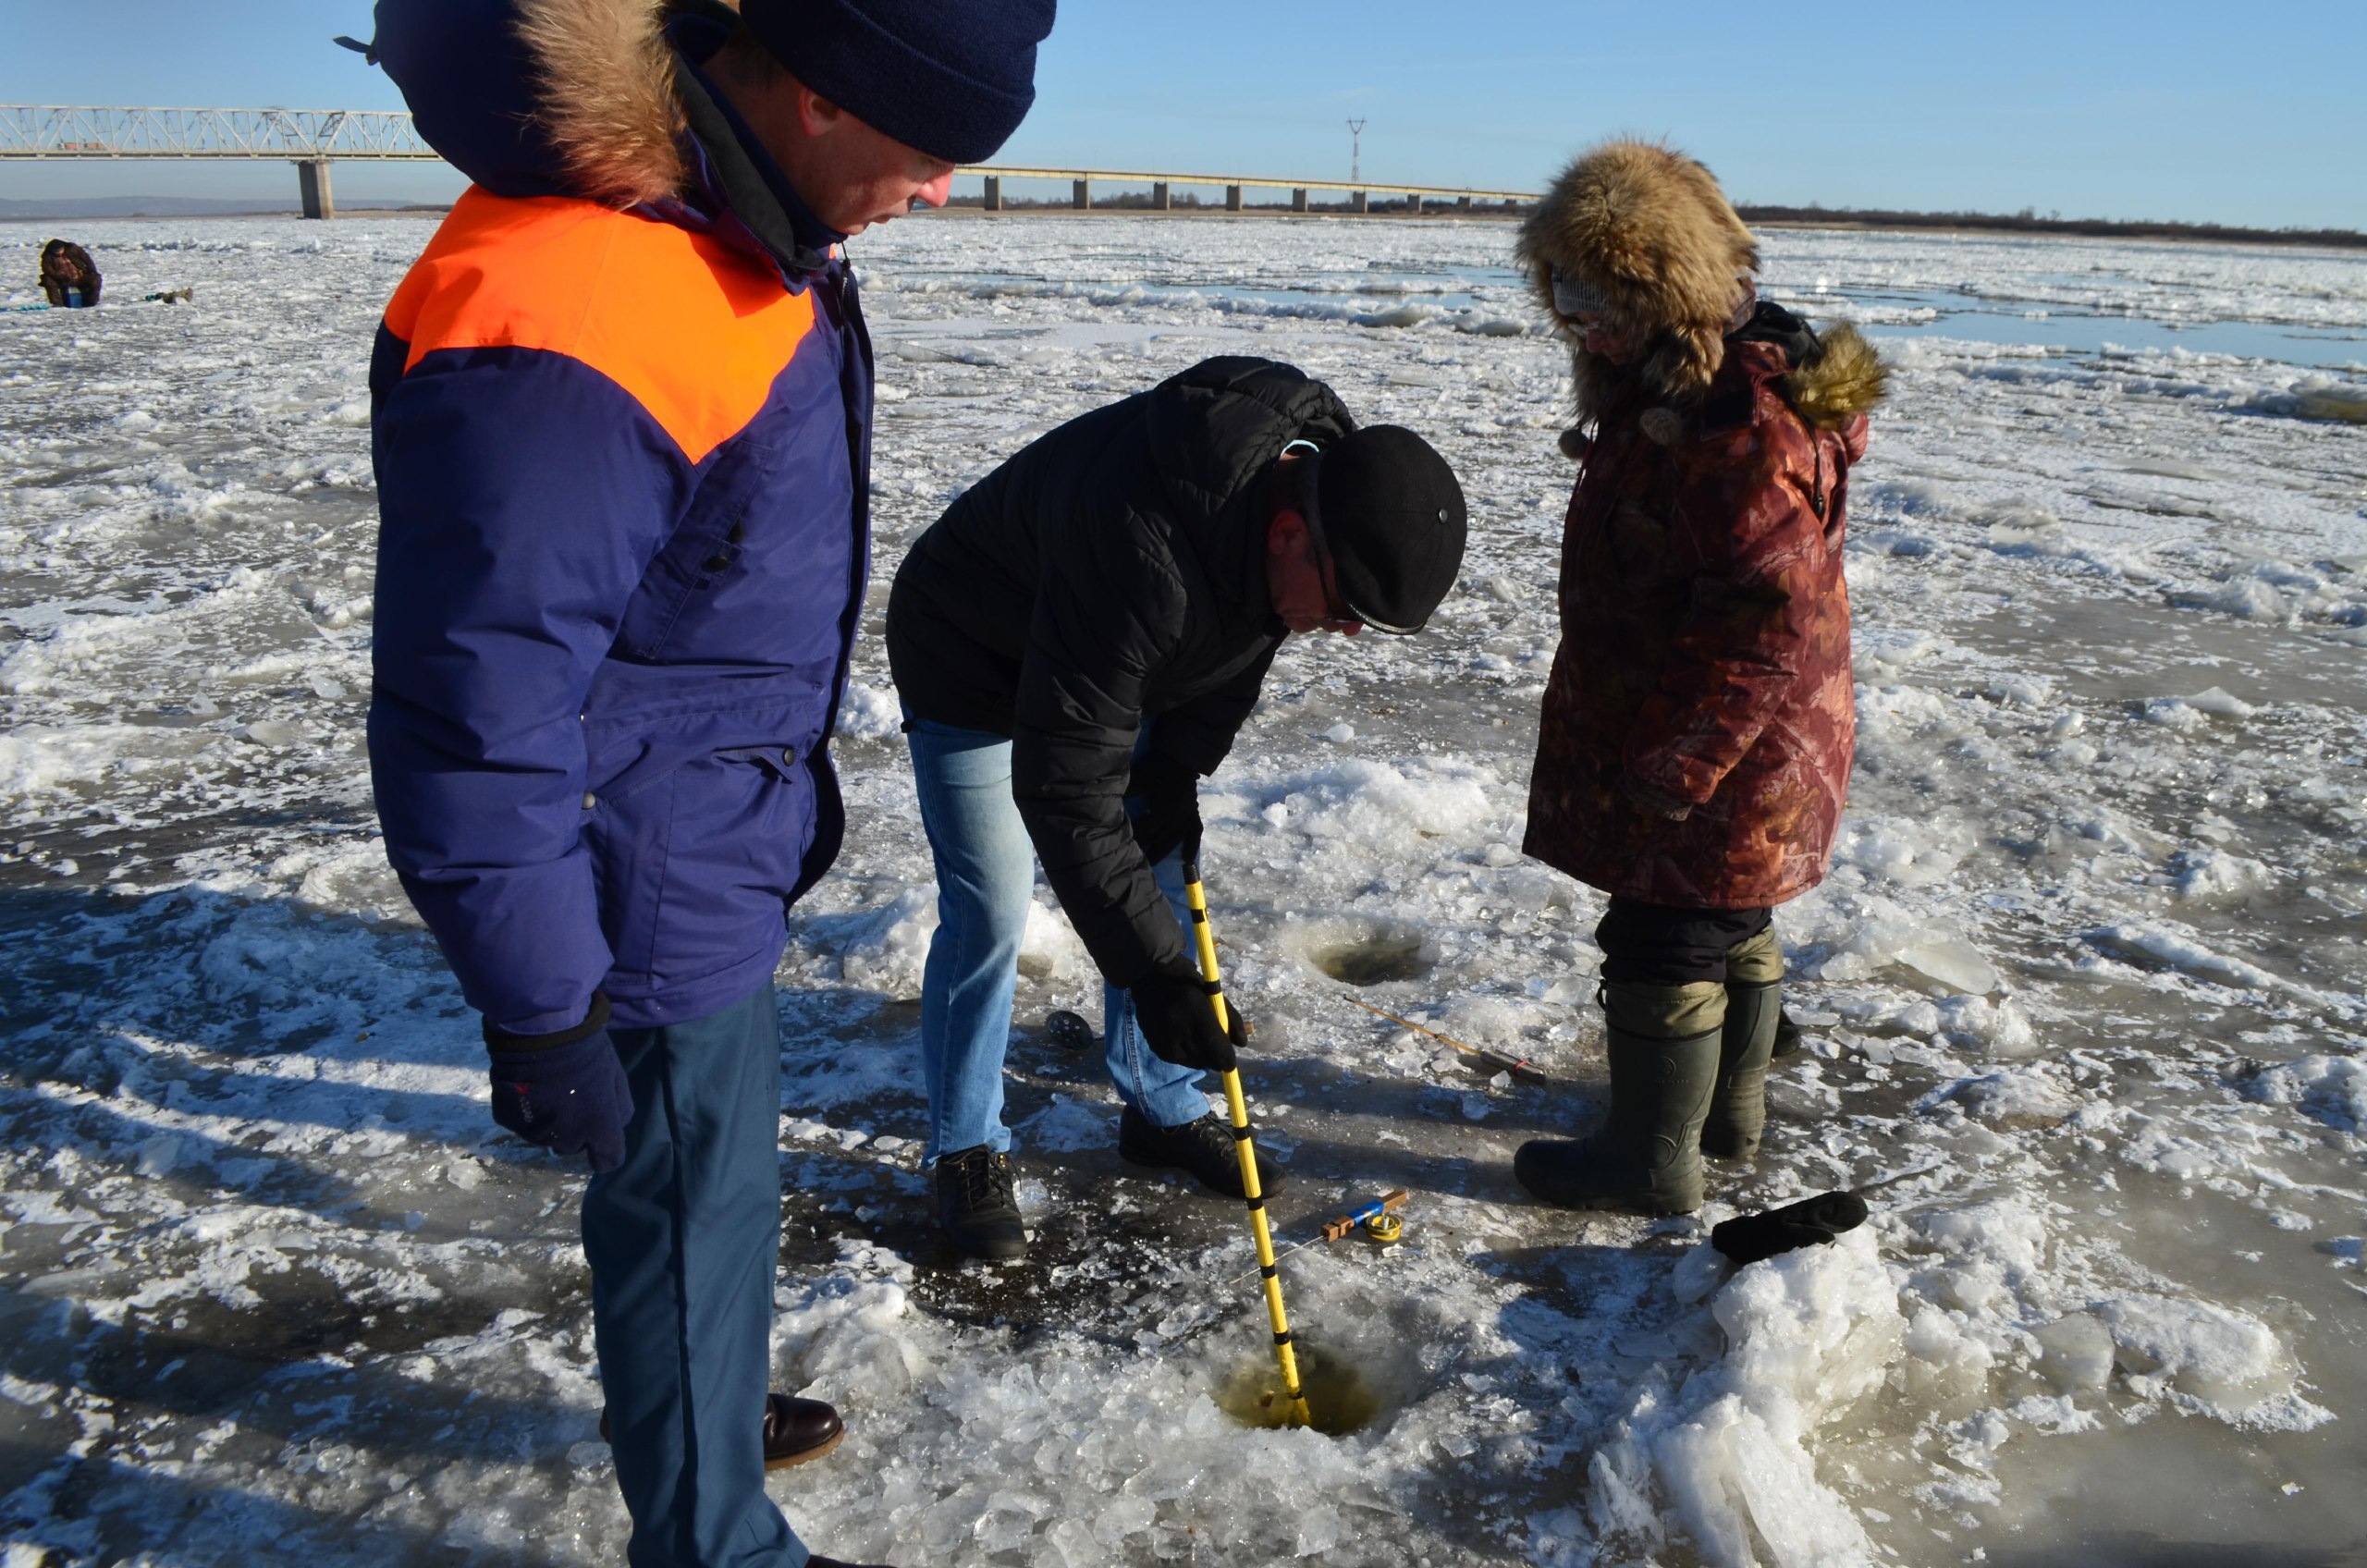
(2172, 110)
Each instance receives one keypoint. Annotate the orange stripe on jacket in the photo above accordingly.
(696, 331)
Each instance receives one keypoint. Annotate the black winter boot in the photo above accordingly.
(1203, 1148)
(1647, 1155)
(975, 1205)
(1738, 1109)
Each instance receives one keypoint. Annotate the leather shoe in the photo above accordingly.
(796, 1430)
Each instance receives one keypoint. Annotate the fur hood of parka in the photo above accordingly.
(1649, 229)
(548, 97)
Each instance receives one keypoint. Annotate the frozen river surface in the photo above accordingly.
(2084, 993)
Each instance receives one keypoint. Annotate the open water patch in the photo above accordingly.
(1375, 956)
(1341, 1399)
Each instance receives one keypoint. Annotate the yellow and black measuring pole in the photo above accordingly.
(1293, 1392)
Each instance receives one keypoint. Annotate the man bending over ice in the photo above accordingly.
(1075, 642)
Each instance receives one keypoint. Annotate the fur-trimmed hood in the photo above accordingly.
(1648, 228)
(1840, 378)
(550, 97)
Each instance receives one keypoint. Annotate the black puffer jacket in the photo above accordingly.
(1112, 571)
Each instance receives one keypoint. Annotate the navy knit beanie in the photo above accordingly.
(1393, 516)
(951, 78)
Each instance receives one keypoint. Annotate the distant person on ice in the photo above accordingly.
(1695, 747)
(621, 426)
(1075, 642)
(69, 279)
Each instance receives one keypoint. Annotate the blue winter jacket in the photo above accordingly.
(621, 425)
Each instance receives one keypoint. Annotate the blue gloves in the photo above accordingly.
(565, 1092)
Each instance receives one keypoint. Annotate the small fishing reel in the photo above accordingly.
(1384, 1229)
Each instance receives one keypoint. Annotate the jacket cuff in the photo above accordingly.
(1156, 765)
(1143, 960)
(596, 1020)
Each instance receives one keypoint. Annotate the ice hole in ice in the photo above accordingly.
(1340, 1398)
(1372, 956)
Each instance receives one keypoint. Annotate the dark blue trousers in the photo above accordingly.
(684, 1240)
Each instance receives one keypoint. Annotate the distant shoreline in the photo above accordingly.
(1766, 217)
(405, 210)
(1878, 219)
(1839, 220)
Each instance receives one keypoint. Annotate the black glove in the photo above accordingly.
(566, 1092)
(1168, 817)
(1812, 1222)
(1179, 1022)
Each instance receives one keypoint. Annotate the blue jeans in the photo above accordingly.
(986, 878)
(684, 1241)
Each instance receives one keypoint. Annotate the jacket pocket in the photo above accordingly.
(737, 829)
(629, 834)
(693, 565)
(705, 551)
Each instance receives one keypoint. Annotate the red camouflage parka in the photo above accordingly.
(1705, 638)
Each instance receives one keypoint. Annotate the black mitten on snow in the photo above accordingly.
(1168, 817)
(1179, 1023)
(1812, 1222)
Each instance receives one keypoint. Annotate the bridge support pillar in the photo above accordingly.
(1298, 199)
(313, 186)
(1361, 201)
(1463, 203)
(1232, 198)
(1159, 202)
(1414, 205)
(1081, 194)
(993, 199)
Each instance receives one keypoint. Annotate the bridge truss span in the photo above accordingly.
(64, 130)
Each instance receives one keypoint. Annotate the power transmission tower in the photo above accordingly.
(1355, 151)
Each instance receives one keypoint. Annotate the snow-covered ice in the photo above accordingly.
(2084, 994)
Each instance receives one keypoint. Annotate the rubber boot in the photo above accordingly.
(1662, 1042)
(1745, 1044)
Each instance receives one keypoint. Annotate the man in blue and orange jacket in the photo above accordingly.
(621, 426)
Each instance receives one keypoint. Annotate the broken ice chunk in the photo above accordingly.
(2075, 1353)
(1952, 960)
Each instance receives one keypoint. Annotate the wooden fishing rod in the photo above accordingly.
(1496, 1060)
